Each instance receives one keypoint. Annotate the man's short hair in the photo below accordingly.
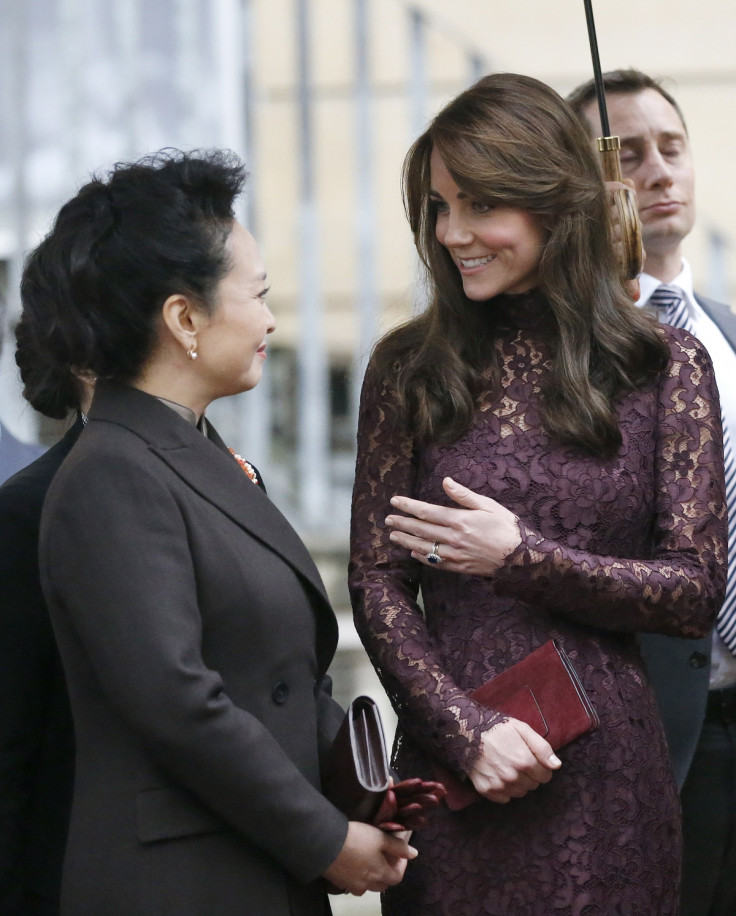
(619, 82)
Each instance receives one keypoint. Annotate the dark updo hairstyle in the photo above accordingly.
(92, 291)
(511, 141)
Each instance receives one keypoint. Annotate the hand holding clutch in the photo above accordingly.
(357, 779)
(542, 690)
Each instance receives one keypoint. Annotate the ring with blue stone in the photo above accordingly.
(434, 557)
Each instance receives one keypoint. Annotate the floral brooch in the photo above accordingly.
(246, 466)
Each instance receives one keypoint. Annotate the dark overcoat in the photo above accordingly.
(14, 454)
(36, 738)
(195, 634)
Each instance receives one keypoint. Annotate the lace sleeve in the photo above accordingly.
(680, 587)
(384, 586)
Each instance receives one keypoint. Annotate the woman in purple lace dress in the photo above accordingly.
(561, 454)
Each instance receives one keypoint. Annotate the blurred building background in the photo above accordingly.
(321, 98)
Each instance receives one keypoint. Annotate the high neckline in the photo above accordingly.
(186, 413)
(529, 310)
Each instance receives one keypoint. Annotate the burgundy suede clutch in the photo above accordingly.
(542, 690)
(356, 774)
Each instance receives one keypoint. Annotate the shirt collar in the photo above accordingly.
(186, 413)
(684, 281)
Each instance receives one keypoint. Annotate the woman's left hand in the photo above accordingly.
(475, 539)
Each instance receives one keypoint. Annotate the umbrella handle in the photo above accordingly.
(631, 253)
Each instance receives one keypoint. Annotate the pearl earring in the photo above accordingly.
(191, 352)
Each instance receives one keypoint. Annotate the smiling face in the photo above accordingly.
(655, 154)
(496, 249)
(232, 343)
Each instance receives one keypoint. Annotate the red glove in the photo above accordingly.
(407, 804)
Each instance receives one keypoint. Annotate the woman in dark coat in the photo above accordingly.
(550, 462)
(193, 626)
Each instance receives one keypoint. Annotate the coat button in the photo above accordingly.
(280, 692)
(698, 660)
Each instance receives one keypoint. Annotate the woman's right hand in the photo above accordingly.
(370, 860)
(514, 760)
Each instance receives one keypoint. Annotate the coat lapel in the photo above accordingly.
(218, 478)
(209, 469)
(722, 317)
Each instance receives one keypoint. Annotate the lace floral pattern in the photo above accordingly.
(609, 548)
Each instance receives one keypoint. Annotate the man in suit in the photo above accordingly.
(694, 681)
(36, 735)
(14, 454)
(36, 732)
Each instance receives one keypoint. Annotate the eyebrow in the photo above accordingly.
(665, 135)
(435, 195)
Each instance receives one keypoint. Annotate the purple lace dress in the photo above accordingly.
(609, 548)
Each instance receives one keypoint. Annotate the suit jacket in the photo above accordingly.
(679, 669)
(14, 454)
(195, 634)
(36, 736)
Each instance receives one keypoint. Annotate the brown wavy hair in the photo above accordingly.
(512, 141)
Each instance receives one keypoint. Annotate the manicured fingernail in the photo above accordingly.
(555, 760)
(389, 520)
(394, 500)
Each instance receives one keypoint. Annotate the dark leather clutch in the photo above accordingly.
(542, 690)
(356, 774)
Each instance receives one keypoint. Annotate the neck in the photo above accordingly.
(664, 265)
(173, 384)
(85, 402)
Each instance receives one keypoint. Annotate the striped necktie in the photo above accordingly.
(671, 301)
